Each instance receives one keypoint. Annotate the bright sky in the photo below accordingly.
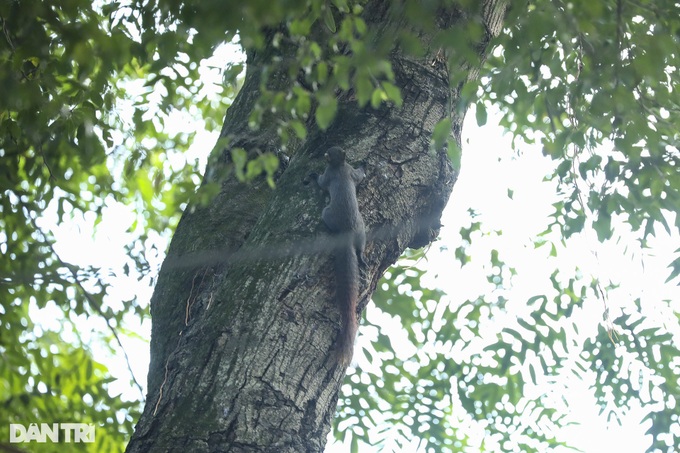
(488, 170)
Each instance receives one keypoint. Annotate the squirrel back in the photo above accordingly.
(343, 218)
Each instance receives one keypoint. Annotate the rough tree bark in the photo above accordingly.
(243, 316)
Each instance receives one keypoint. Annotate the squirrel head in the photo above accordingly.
(335, 156)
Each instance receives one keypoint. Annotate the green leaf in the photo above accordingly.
(270, 163)
(441, 133)
(322, 72)
(325, 112)
(328, 18)
(455, 153)
(602, 226)
(299, 128)
(239, 157)
(675, 269)
(393, 93)
(480, 114)
(376, 97)
(364, 88)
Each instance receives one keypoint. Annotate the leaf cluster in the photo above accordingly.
(89, 100)
(80, 135)
(463, 370)
(594, 83)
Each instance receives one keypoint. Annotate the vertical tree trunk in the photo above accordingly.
(244, 320)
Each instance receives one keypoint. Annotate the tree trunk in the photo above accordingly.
(244, 320)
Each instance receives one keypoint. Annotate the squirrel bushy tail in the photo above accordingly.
(347, 294)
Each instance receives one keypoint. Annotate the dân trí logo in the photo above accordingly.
(55, 432)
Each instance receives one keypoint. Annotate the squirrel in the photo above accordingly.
(342, 217)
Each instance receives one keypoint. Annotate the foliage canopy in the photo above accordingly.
(89, 100)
